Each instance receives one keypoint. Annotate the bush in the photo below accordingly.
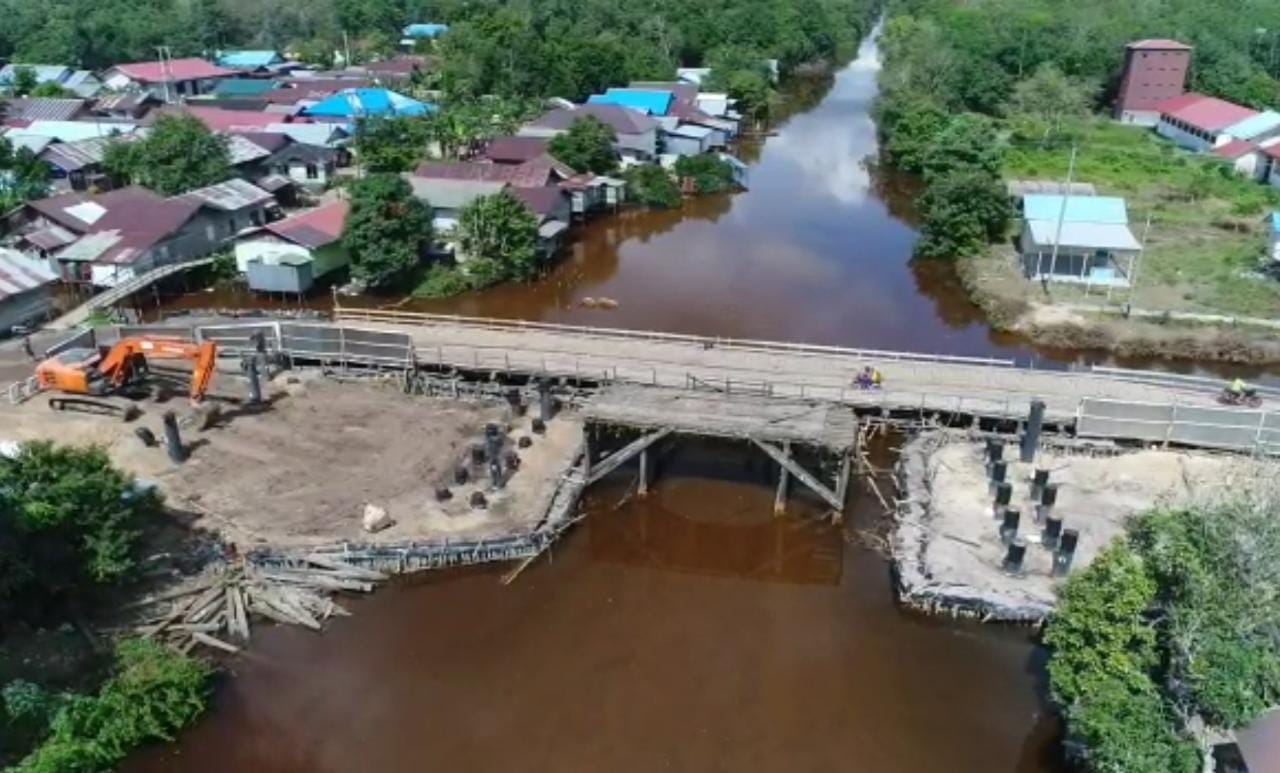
(963, 211)
(441, 281)
(153, 694)
(652, 186)
(710, 173)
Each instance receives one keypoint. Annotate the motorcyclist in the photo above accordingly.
(1237, 388)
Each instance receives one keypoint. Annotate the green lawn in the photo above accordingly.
(1206, 241)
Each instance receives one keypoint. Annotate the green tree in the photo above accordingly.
(498, 236)
(392, 144)
(968, 142)
(24, 81)
(587, 146)
(911, 131)
(51, 89)
(153, 693)
(963, 211)
(710, 174)
(1050, 98)
(179, 154)
(387, 230)
(652, 186)
(69, 521)
(23, 176)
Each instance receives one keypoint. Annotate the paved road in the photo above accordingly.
(784, 370)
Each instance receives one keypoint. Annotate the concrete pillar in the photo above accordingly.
(1031, 434)
(255, 381)
(173, 440)
(544, 399)
(780, 498)
(586, 452)
(643, 488)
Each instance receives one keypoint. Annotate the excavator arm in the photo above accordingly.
(121, 364)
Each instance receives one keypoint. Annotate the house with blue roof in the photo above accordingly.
(350, 104)
(1078, 239)
(249, 61)
(412, 34)
(652, 102)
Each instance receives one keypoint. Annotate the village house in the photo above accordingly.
(1200, 123)
(397, 70)
(1094, 243)
(653, 102)
(412, 34)
(77, 166)
(688, 139)
(26, 290)
(537, 172)
(447, 198)
(44, 109)
(636, 133)
(514, 150)
(168, 80)
(129, 231)
(255, 62)
(81, 83)
(350, 104)
(1247, 159)
(289, 255)
(552, 208)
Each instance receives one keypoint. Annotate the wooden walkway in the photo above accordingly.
(114, 295)
(971, 386)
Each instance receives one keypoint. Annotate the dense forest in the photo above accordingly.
(508, 47)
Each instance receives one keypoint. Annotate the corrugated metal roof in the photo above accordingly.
(1255, 126)
(45, 73)
(1091, 236)
(1208, 114)
(1080, 209)
(362, 103)
(313, 228)
(31, 142)
(620, 119)
(248, 60)
(74, 131)
(73, 156)
(243, 151)
(1235, 149)
(425, 30)
(451, 194)
(691, 130)
(244, 87)
(229, 196)
(44, 109)
(1159, 44)
(171, 70)
(649, 102)
(19, 274)
(51, 238)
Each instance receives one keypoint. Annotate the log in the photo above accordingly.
(170, 595)
(210, 641)
(345, 568)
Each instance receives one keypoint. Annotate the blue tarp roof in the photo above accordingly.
(247, 60)
(425, 30)
(363, 103)
(1080, 209)
(1254, 126)
(650, 102)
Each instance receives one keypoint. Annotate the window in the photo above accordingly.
(313, 172)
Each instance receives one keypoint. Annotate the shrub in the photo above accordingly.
(652, 186)
(710, 173)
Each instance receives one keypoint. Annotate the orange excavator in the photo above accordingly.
(108, 371)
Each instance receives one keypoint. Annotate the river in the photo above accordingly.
(689, 630)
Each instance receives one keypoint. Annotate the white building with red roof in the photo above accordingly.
(1198, 122)
(289, 255)
(169, 79)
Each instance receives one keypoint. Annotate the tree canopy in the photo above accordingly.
(23, 176)
(498, 236)
(587, 146)
(1178, 619)
(392, 144)
(180, 154)
(387, 231)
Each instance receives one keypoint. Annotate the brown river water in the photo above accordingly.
(690, 630)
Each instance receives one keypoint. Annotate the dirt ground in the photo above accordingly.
(301, 472)
(955, 535)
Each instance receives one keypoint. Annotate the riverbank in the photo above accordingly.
(1013, 304)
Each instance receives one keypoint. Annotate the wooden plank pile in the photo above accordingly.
(214, 609)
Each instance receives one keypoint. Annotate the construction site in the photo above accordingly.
(982, 533)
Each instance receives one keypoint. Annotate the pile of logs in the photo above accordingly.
(214, 608)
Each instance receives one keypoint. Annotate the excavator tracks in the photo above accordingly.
(97, 407)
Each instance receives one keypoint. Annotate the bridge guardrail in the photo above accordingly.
(1254, 431)
(420, 318)
(1184, 380)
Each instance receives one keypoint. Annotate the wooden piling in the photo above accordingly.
(780, 497)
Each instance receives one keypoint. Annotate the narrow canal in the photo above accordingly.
(691, 630)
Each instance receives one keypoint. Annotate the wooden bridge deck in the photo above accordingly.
(977, 386)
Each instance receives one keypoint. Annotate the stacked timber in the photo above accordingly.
(214, 608)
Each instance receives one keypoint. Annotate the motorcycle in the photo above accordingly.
(1249, 398)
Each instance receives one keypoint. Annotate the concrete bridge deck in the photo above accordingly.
(978, 386)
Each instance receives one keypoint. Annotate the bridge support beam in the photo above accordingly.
(642, 488)
(801, 474)
(619, 457)
(780, 497)
(842, 483)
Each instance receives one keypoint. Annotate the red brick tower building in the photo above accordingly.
(1154, 70)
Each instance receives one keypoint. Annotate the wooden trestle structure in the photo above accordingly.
(773, 425)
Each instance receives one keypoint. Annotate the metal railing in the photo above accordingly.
(744, 344)
(1176, 380)
(1232, 429)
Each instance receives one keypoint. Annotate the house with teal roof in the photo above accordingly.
(1078, 239)
(350, 104)
(654, 102)
(249, 61)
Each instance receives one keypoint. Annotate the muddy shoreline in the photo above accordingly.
(1005, 300)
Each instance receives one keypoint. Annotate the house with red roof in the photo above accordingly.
(290, 255)
(1200, 123)
(168, 79)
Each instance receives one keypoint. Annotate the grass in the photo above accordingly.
(1206, 242)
